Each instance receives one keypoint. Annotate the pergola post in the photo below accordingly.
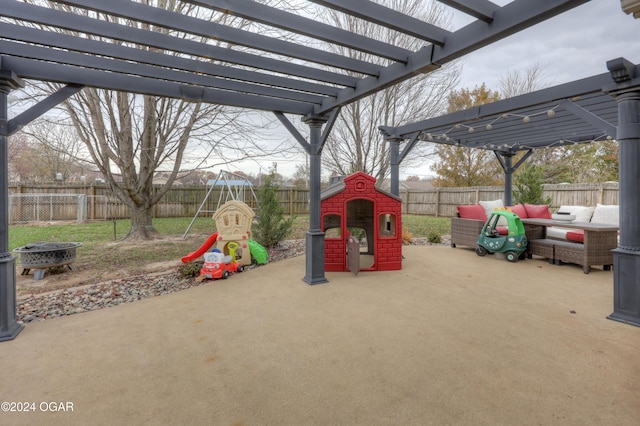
(9, 327)
(626, 258)
(394, 187)
(508, 179)
(315, 237)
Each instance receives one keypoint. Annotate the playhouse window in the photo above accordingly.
(331, 226)
(387, 225)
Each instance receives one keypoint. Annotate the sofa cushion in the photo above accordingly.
(538, 211)
(473, 211)
(557, 232)
(606, 214)
(582, 213)
(490, 206)
(576, 235)
(519, 210)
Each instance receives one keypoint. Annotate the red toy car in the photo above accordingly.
(217, 265)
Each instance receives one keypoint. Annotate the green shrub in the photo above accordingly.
(189, 270)
(529, 186)
(272, 226)
(434, 238)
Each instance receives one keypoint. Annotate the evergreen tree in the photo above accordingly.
(272, 226)
(529, 186)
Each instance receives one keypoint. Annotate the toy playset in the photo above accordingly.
(232, 245)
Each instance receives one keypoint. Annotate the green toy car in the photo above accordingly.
(513, 244)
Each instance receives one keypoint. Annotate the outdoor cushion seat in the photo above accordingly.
(576, 236)
(607, 214)
(467, 225)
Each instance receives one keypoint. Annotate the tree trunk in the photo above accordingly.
(142, 225)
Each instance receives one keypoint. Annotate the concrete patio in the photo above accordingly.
(452, 338)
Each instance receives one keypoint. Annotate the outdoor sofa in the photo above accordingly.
(556, 243)
(467, 224)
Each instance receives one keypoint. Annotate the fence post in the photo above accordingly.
(291, 202)
(82, 208)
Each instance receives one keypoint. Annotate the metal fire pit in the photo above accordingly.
(44, 255)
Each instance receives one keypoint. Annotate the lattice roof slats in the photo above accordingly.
(389, 18)
(304, 26)
(481, 9)
(200, 60)
(191, 25)
(574, 112)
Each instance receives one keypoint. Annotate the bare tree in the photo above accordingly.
(131, 137)
(59, 152)
(20, 157)
(355, 144)
(518, 82)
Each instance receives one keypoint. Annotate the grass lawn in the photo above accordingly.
(102, 245)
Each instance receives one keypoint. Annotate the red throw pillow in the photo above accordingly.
(473, 211)
(538, 211)
(519, 210)
(502, 230)
(576, 236)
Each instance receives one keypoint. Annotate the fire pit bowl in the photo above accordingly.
(43, 255)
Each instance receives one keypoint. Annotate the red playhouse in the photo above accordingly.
(362, 225)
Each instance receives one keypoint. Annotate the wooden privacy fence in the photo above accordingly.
(94, 202)
(443, 201)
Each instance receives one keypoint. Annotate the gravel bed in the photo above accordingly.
(38, 307)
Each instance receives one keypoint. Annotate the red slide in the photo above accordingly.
(203, 248)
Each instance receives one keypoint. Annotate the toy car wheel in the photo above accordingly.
(225, 275)
(512, 256)
(240, 268)
(481, 251)
(522, 256)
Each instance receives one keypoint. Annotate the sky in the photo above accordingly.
(568, 47)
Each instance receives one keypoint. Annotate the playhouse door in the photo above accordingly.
(353, 254)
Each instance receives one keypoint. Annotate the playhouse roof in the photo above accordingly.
(339, 184)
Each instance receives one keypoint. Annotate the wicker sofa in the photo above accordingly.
(605, 214)
(586, 247)
(467, 224)
(558, 244)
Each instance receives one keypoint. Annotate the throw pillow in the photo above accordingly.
(519, 210)
(582, 213)
(606, 214)
(576, 236)
(473, 211)
(538, 211)
(490, 206)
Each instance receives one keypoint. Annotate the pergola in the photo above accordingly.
(201, 61)
(572, 113)
(605, 106)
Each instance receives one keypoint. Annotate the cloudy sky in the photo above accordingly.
(573, 45)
